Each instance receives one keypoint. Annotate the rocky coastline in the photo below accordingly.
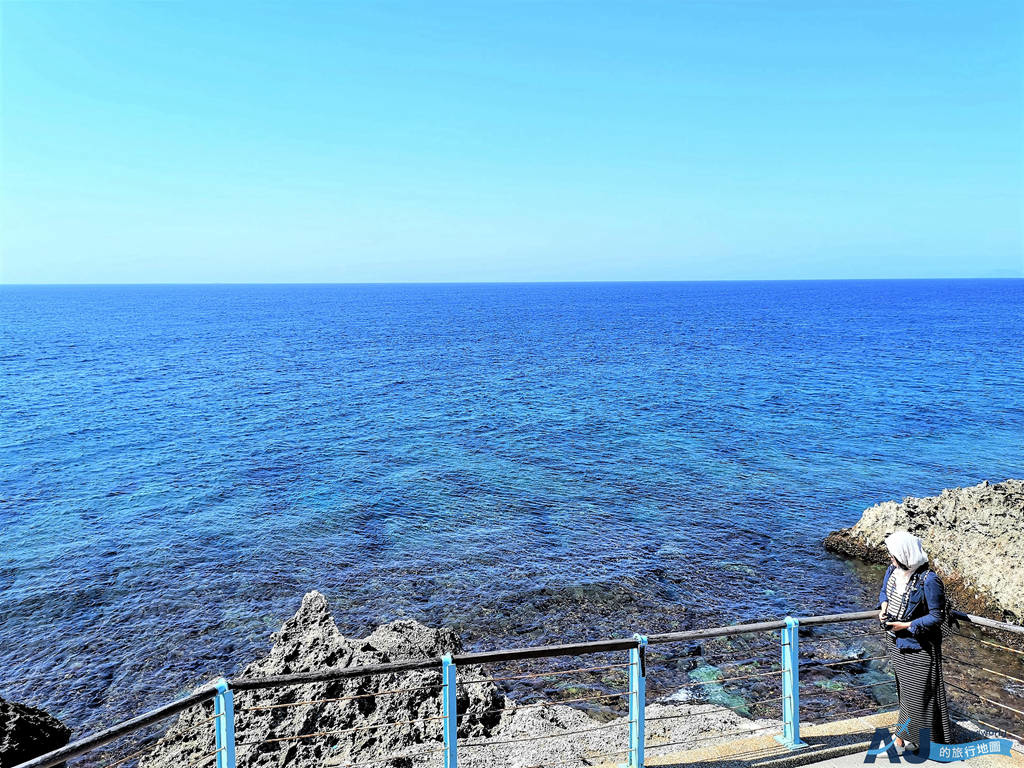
(355, 720)
(974, 536)
(27, 732)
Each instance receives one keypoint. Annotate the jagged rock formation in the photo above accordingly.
(973, 535)
(346, 710)
(27, 732)
(351, 721)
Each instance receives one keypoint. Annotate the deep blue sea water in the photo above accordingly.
(179, 464)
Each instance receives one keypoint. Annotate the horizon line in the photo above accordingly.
(513, 282)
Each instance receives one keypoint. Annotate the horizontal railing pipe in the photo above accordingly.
(82, 746)
(326, 675)
(545, 651)
(702, 634)
(838, 618)
(990, 623)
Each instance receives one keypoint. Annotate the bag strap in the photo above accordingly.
(915, 579)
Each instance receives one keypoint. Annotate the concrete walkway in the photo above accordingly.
(856, 760)
(842, 744)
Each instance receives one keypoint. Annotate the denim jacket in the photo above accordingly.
(926, 606)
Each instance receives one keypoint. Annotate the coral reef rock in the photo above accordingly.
(27, 732)
(973, 535)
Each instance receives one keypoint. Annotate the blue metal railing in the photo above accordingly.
(221, 692)
(790, 736)
(224, 724)
(449, 711)
(637, 701)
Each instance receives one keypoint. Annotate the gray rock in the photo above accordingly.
(973, 535)
(352, 717)
(27, 732)
(399, 716)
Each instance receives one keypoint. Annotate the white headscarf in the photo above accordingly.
(909, 550)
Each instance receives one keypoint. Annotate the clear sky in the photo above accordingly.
(428, 141)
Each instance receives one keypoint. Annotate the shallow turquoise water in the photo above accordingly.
(525, 462)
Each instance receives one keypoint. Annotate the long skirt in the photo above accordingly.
(922, 692)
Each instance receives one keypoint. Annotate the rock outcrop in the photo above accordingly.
(394, 721)
(27, 732)
(973, 535)
(350, 713)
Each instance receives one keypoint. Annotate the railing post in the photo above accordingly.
(637, 701)
(449, 710)
(224, 724)
(791, 685)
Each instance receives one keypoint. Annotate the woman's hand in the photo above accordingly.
(898, 626)
(881, 613)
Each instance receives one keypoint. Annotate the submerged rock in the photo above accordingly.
(394, 721)
(27, 732)
(973, 535)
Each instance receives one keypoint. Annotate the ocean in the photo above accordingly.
(523, 462)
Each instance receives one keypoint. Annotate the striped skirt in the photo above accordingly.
(922, 692)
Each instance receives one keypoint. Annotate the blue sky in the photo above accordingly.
(376, 142)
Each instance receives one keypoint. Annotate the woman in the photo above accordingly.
(913, 603)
